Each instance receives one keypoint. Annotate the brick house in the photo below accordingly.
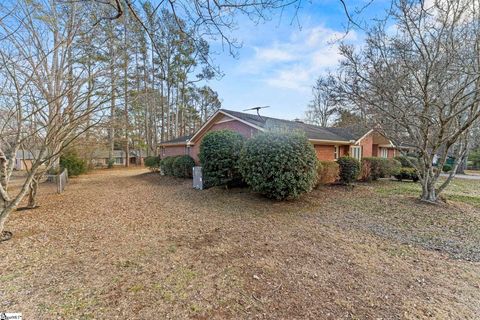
(329, 143)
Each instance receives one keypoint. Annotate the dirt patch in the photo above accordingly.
(139, 246)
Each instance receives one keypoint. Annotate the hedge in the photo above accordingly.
(153, 163)
(279, 165)
(374, 168)
(407, 174)
(183, 166)
(349, 169)
(219, 156)
(328, 173)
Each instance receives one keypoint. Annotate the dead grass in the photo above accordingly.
(473, 172)
(129, 244)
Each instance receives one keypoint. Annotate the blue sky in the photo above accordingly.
(279, 61)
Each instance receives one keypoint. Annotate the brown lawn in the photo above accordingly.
(127, 244)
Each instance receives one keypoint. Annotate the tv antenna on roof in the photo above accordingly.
(258, 110)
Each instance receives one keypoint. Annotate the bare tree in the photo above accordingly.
(324, 104)
(419, 80)
(43, 106)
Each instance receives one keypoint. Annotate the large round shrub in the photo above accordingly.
(153, 163)
(166, 165)
(182, 166)
(279, 165)
(73, 163)
(349, 169)
(219, 156)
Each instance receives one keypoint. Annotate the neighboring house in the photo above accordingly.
(24, 159)
(329, 143)
(100, 157)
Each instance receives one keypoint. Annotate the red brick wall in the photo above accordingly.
(367, 146)
(172, 151)
(237, 126)
(344, 150)
(325, 152)
(375, 150)
(391, 153)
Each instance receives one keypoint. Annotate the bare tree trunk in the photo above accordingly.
(146, 102)
(111, 127)
(125, 88)
(152, 114)
(32, 195)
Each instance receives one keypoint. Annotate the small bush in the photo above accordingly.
(447, 168)
(73, 163)
(329, 172)
(153, 163)
(166, 165)
(349, 169)
(279, 165)
(219, 156)
(110, 163)
(407, 162)
(407, 174)
(182, 166)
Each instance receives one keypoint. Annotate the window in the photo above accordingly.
(384, 152)
(336, 152)
(118, 160)
(357, 153)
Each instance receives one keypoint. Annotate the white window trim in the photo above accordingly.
(336, 152)
(354, 155)
(384, 152)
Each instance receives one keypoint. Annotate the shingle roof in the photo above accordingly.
(182, 139)
(312, 132)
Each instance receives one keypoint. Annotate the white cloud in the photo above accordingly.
(273, 54)
(297, 61)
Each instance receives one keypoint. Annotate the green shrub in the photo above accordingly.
(73, 163)
(166, 165)
(153, 163)
(279, 165)
(392, 167)
(349, 169)
(447, 168)
(219, 156)
(407, 174)
(110, 163)
(374, 168)
(407, 162)
(329, 173)
(183, 166)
